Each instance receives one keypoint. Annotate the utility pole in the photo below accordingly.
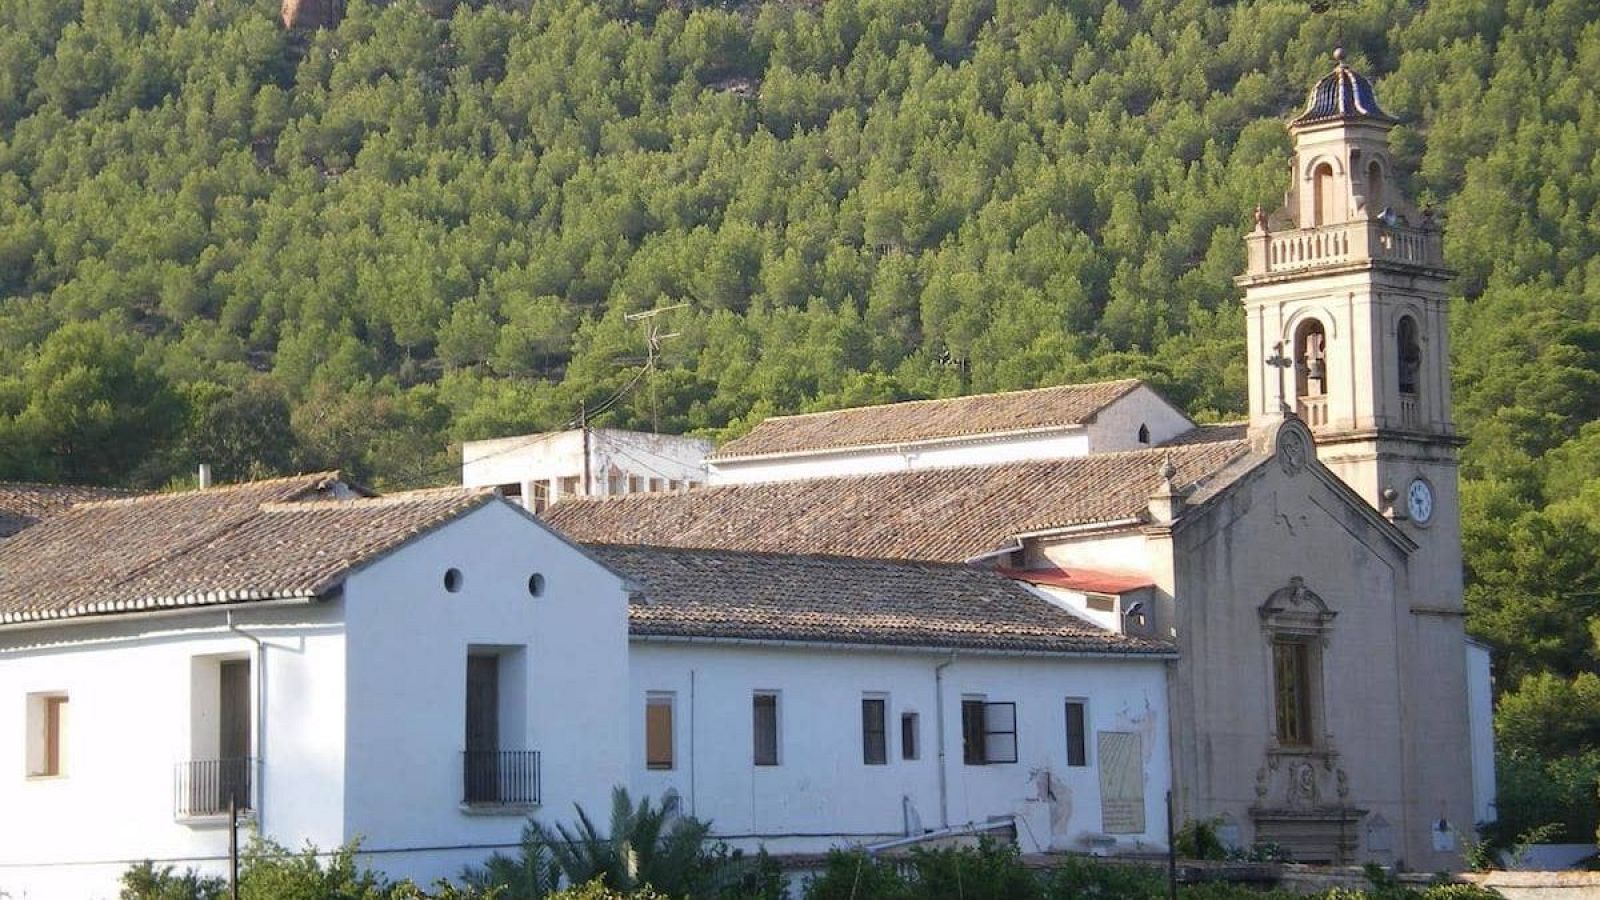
(583, 423)
(653, 338)
(233, 843)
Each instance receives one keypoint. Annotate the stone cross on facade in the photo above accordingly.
(1280, 362)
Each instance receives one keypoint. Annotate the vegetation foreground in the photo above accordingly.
(221, 241)
(653, 852)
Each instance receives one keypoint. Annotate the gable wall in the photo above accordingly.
(1117, 426)
(407, 686)
(1270, 528)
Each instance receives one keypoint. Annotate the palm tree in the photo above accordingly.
(647, 844)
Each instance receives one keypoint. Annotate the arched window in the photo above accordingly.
(1375, 187)
(1410, 354)
(1144, 434)
(1322, 196)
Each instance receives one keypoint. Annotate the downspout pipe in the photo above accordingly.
(258, 735)
(938, 712)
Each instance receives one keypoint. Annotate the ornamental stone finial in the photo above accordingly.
(1338, 55)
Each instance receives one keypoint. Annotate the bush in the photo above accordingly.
(853, 875)
(145, 882)
(991, 872)
(1082, 876)
(268, 871)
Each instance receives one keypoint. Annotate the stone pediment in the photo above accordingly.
(1295, 607)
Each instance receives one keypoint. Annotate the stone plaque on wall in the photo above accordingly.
(1121, 782)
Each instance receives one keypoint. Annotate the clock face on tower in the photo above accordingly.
(1419, 501)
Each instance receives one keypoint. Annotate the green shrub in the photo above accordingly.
(1198, 839)
(853, 875)
(146, 882)
(991, 872)
(1086, 877)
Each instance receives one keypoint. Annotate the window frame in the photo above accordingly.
(1297, 730)
(910, 735)
(656, 700)
(1082, 756)
(978, 730)
(45, 750)
(757, 758)
(881, 732)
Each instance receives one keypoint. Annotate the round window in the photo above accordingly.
(452, 580)
(536, 584)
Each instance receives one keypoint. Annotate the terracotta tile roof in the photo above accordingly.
(1206, 434)
(920, 420)
(22, 505)
(933, 514)
(261, 540)
(786, 597)
(1077, 578)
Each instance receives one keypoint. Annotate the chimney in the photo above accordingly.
(205, 476)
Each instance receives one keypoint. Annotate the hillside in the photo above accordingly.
(276, 250)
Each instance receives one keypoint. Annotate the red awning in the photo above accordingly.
(1099, 581)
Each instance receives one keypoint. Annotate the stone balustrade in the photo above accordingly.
(1349, 242)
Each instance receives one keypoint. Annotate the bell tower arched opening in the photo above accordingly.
(1311, 372)
(1322, 196)
(1375, 199)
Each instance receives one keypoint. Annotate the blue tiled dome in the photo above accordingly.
(1342, 94)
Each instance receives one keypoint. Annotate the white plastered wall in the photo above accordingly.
(131, 697)
(822, 794)
(407, 685)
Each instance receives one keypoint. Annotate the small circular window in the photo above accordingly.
(536, 585)
(452, 580)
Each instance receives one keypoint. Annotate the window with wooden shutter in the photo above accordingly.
(1291, 666)
(658, 730)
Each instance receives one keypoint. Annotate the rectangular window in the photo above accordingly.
(47, 732)
(483, 703)
(874, 731)
(569, 486)
(541, 496)
(764, 717)
(658, 485)
(1291, 667)
(635, 484)
(674, 485)
(1077, 734)
(615, 484)
(908, 736)
(658, 730)
(988, 732)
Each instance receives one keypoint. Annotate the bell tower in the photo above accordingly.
(1345, 302)
(1345, 298)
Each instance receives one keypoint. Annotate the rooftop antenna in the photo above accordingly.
(653, 339)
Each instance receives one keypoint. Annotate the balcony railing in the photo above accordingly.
(204, 787)
(500, 777)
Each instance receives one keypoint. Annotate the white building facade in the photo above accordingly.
(541, 469)
(432, 699)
